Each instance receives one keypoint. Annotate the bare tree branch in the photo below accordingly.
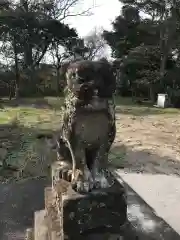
(95, 45)
(62, 9)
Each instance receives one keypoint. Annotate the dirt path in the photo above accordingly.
(151, 143)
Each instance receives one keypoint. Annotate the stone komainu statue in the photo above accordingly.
(88, 122)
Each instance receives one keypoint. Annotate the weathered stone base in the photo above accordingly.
(99, 209)
(71, 215)
(41, 231)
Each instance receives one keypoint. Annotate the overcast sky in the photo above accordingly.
(104, 12)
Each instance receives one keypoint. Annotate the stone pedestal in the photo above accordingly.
(97, 210)
(71, 215)
(78, 215)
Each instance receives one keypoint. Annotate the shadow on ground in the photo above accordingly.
(17, 206)
(144, 219)
(22, 154)
(142, 161)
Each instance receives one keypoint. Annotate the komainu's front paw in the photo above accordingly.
(60, 170)
(100, 181)
(82, 183)
(82, 186)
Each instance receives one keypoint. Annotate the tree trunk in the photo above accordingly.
(10, 91)
(58, 66)
(58, 80)
(163, 45)
(170, 30)
(17, 77)
(152, 93)
(28, 60)
(163, 66)
(28, 57)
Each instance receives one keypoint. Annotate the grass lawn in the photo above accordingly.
(19, 125)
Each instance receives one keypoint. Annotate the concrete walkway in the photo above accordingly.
(160, 192)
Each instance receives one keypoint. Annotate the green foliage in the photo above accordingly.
(148, 47)
(28, 30)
